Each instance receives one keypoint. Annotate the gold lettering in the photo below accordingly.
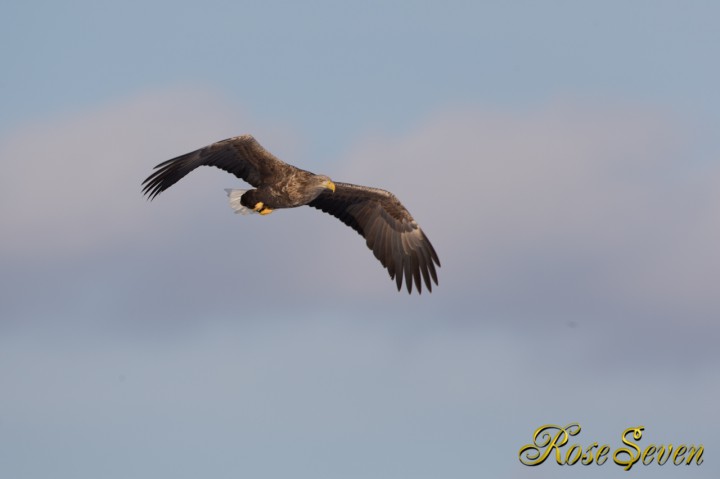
(679, 453)
(587, 458)
(631, 458)
(602, 454)
(573, 460)
(553, 438)
(544, 442)
(691, 454)
(647, 457)
(662, 458)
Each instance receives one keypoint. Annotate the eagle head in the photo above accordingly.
(325, 183)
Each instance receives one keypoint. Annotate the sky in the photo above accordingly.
(562, 157)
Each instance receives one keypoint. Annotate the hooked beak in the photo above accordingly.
(329, 185)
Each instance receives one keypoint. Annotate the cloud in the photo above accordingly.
(564, 211)
(80, 240)
(330, 391)
(72, 185)
(564, 208)
(567, 234)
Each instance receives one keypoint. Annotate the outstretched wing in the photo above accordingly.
(242, 156)
(389, 231)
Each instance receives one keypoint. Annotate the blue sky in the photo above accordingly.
(562, 157)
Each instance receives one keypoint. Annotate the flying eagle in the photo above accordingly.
(388, 228)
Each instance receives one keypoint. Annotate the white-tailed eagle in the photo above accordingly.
(388, 228)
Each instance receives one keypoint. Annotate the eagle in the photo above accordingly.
(389, 230)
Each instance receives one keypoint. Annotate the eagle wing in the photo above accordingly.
(389, 231)
(241, 155)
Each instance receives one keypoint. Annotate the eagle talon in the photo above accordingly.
(265, 211)
(258, 206)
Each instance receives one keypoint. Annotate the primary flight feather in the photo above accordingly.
(389, 230)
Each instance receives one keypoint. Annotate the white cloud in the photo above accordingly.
(556, 211)
(71, 185)
(605, 199)
(540, 214)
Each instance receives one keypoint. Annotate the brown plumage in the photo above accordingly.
(389, 230)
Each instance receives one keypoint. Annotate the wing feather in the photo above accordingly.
(389, 230)
(242, 156)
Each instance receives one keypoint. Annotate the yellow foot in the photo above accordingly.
(262, 209)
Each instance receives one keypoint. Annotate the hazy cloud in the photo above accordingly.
(566, 210)
(577, 246)
(602, 204)
(72, 184)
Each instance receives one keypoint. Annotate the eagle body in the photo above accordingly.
(295, 187)
(389, 230)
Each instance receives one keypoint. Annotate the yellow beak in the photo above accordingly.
(329, 185)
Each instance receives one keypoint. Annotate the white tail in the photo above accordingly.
(234, 196)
